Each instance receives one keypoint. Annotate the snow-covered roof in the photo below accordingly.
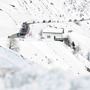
(52, 30)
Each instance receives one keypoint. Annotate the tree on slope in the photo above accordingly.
(13, 44)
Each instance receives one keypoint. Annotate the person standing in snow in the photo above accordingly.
(73, 45)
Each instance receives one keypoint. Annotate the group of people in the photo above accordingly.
(25, 29)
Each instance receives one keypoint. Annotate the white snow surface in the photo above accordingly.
(44, 64)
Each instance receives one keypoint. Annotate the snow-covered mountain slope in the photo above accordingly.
(15, 64)
(17, 11)
(9, 58)
(53, 8)
(13, 13)
(52, 54)
(47, 53)
(16, 72)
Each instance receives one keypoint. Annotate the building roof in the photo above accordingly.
(52, 31)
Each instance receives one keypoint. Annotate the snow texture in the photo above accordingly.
(45, 64)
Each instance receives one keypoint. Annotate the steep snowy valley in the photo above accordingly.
(45, 64)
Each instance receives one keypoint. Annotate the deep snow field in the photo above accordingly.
(45, 64)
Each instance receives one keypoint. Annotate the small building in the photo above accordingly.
(52, 33)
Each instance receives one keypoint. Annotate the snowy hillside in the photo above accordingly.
(21, 10)
(16, 72)
(45, 64)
